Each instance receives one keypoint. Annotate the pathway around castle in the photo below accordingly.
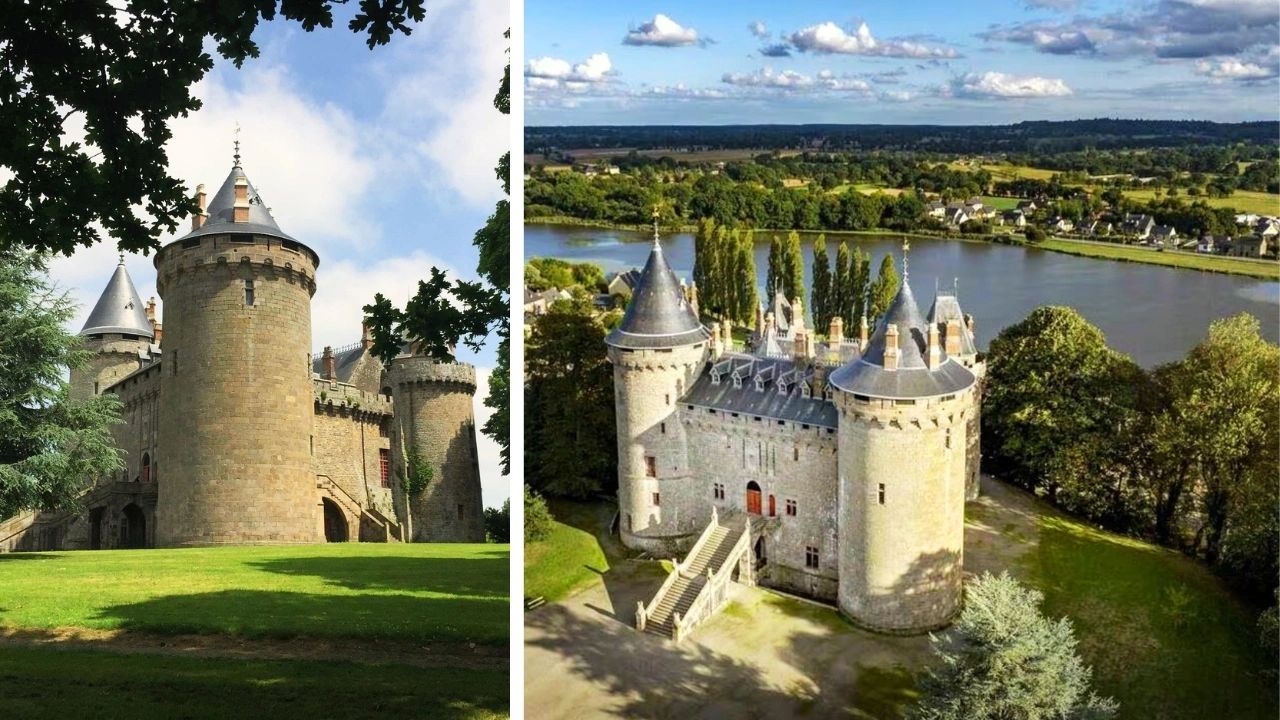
(769, 655)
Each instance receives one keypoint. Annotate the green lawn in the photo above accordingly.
(1241, 200)
(570, 557)
(1163, 635)
(53, 683)
(1001, 203)
(403, 592)
(1194, 261)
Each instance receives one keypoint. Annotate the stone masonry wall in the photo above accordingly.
(236, 407)
(901, 559)
(345, 442)
(113, 358)
(648, 385)
(433, 412)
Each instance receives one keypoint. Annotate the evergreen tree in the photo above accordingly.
(774, 276)
(859, 285)
(746, 281)
(884, 288)
(1003, 659)
(50, 446)
(702, 242)
(730, 285)
(842, 287)
(820, 302)
(793, 267)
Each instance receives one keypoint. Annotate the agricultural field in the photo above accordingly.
(1265, 269)
(1247, 201)
(336, 623)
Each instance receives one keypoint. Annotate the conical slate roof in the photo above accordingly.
(913, 378)
(119, 309)
(221, 210)
(658, 316)
(946, 307)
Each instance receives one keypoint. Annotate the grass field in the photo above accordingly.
(1001, 203)
(570, 557)
(1211, 263)
(404, 592)
(339, 630)
(1241, 200)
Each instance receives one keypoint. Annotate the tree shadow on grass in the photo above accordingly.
(486, 575)
(249, 613)
(9, 556)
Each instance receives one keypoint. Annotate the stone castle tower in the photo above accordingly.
(850, 459)
(657, 352)
(117, 333)
(434, 415)
(236, 394)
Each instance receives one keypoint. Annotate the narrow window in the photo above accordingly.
(146, 467)
(811, 557)
(460, 511)
(248, 293)
(881, 493)
(312, 441)
(175, 362)
(791, 508)
(657, 499)
(797, 454)
(650, 466)
(384, 467)
(668, 399)
(718, 491)
(663, 426)
(95, 389)
(628, 522)
(948, 438)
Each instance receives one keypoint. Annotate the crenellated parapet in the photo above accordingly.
(233, 253)
(418, 369)
(345, 399)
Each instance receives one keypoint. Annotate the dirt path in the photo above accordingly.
(369, 652)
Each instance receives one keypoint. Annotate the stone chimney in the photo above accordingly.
(198, 220)
(768, 324)
(819, 385)
(151, 311)
(366, 336)
(797, 315)
(835, 333)
(953, 336)
(863, 332)
(968, 323)
(158, 329)
(726, 334)
(241, 207)
(717, 345)
(329, 363)
(691, 294)
(891, 349)
(801, 346)
(934, 347)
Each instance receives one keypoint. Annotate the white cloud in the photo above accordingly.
(792, 80)
(828, 38)
(661, 31)
(592, 70)
(1002, 85)
(758, 29)
(496, 487)
(1233, 69)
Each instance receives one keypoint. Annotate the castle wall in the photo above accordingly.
(901, 558)
(648, 385)
(433, 413)
(350, 429)
(789, 462)
(236, 408)
(137, 435)
(114, 356)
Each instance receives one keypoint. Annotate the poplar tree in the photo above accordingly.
(842, 286)
(772, 279)
(859, 280)
(747, 277)
(701, 260)
(793, 267)
(884, 288)
(821, 293)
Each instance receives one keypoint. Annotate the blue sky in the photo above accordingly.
(929, 61)
(382, 161)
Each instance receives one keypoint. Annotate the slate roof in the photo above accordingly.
(658, 315)
(759, 393)
(345, 360)
(946, 307)
(221, 210)
(867, 375)
(119, 309)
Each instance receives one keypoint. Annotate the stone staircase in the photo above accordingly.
(685, 598)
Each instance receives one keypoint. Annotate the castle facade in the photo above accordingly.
(235, 432)
(850, 458)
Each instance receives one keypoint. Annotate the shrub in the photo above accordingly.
(537, 517)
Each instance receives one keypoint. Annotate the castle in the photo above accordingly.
(234, 432)
(837, 469)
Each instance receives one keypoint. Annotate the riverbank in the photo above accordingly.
(1247, 267)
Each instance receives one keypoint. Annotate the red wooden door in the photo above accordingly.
(753, 501)
(773, 507)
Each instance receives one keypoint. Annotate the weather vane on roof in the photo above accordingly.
(906, 247)
(655, 224)
(237, 144)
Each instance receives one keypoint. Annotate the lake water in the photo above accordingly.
(1152, 313)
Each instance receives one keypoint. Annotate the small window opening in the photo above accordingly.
(811, 557)
(650, 466)
(248, 293)
(881, 493)
(657, 499)
(791, 508)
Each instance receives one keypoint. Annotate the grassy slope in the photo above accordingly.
(1163, 635)
(51, 683)
(1193, 261)
(409, 592)
(570, 557)
(1241, 200)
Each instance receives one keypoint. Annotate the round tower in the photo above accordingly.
(657, 353)
(433, 417)
(904, 407)
(236, 396)
(118, 333)
(956, 329)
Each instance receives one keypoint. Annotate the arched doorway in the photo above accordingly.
(95, 528)
(133, 527)
(753, 498)
(335, 522)
(146, 467)
(761, 557)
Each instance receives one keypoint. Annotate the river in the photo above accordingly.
(1154, 314)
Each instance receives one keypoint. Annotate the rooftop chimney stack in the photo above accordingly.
(835, 334)
(241, 207)
(891, 349)
(366, 336)
(330, 364)
(934, 347)
(691, 294)
(953, 336)
(797, 315)
(717, 344)
(198, 219)
(151, 311)
(863, 331)
(726, 334)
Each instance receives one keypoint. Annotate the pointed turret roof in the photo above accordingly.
(946, 307)
(658, 315)
(119, 309)
(221, 211)
(913, 378)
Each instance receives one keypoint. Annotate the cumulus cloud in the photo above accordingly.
(792, 80)
(662, 31)
(1233, 69)
(776, 50)
(758, 29)
(998, 85)
(594, 69)
(828, 38)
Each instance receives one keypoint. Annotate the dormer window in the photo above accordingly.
(737, 381)
(715, 378)
(759, 385)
